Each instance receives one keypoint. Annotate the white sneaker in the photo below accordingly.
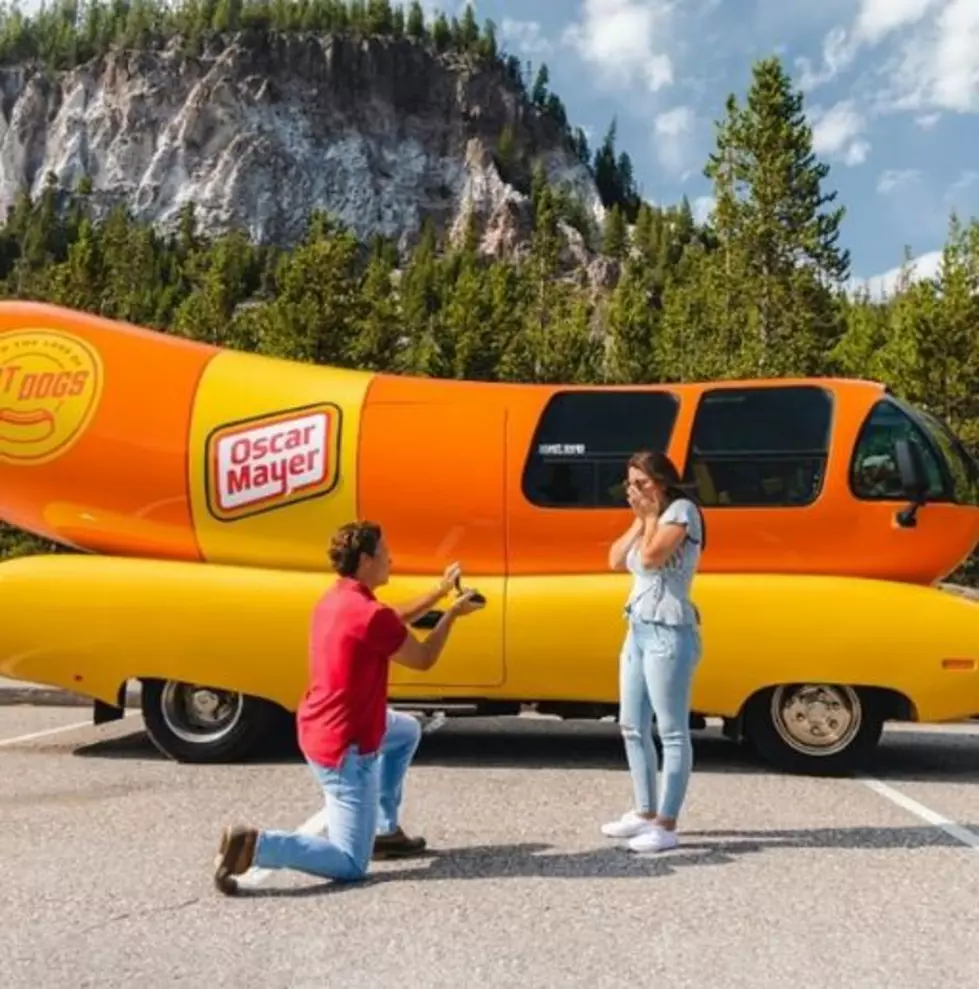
(629, 825)
(653, 839)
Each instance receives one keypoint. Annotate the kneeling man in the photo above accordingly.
(357, 749)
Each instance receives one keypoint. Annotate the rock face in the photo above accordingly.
(261, 130)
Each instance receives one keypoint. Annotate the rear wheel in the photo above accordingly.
(189, 722)
(819, 729)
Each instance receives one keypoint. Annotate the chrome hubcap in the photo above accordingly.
(199, 714)
(816, 719)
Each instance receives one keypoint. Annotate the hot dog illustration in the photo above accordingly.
(31, 427)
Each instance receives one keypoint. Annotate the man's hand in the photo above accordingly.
(418, 655)
(452, 573)
(464, 604)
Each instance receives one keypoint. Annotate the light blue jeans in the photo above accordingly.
(656, 670)
(363, 798)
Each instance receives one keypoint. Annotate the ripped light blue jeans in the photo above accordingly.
(656, 670)
(363, 798)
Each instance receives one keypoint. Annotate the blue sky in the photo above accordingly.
(891, 87)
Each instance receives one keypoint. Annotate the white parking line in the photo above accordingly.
(52, 731)
(926, 814)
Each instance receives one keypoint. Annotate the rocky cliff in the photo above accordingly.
(261, 129)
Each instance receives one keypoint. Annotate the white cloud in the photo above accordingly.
(526, 36)
(878, 18)
(625, 41)
(837, 133)
(884, 284)
(895, 179)
(938, 66)
(702, 208)
(838, 53)
(673, 133)
(875, 22)
(856, 153)
(927, 120)
(675, 122)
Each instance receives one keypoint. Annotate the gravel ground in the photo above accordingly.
(780, 881)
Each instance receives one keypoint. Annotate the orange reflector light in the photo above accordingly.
(958, 664)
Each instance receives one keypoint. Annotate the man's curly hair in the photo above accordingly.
(349, 542)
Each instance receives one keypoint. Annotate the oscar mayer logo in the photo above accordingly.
(268, 462)
(50, 386)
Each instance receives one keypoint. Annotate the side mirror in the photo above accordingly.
(914, 481)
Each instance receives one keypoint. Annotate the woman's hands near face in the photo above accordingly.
(643, 506)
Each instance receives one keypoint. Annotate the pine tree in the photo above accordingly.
(421, 305)
(614, 176)
(857, 354)
(379, 17)
(579, 146)
(702, 334)
(398, 22)
(415, 27)
(469, 29)
(467, 316)
(489, 47)
(315, 315)
(931, 351)
(615, 235)
(539, 91)
(441, 33)
(773, 228)
(632, 331)
(225, 277)
(378, 337)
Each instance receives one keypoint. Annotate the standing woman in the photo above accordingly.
(662, 647)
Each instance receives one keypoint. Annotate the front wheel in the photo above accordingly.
(818, 729)
(189, 722)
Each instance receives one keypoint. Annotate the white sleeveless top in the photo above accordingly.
(662, 594)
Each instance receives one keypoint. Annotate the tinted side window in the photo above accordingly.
(760, 447)
(962, 468)
(874, 472)
(578, 455)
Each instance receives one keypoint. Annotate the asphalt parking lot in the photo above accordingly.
(781, 881)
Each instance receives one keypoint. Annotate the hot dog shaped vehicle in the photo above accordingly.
(203, 484)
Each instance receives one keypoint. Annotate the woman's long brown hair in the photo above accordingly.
(658, 467)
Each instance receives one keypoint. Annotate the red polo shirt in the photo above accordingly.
(352, 639)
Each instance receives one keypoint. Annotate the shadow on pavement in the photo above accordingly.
(918, 755)
(699, 848)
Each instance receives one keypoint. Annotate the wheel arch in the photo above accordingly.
(254, 720)
(764, 725)
(893, 703)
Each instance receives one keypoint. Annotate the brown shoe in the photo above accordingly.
(397, 845)
(234, 857)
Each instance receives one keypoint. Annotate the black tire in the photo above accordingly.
(241, 723)
(843, 724)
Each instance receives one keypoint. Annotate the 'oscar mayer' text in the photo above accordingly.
(272, 461)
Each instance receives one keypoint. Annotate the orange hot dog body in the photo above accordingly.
(93, 434)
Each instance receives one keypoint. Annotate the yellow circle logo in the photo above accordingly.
(50, 386)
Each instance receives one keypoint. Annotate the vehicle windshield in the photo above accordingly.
(962, 467)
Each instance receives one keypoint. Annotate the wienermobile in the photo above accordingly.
(201, 485)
